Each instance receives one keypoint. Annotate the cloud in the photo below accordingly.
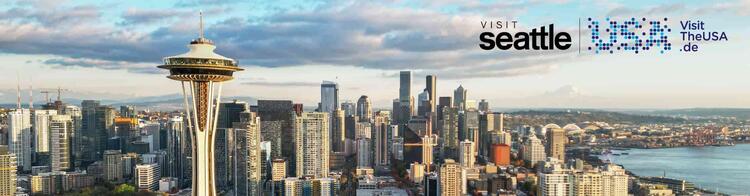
(282, 84)
(63, 63)
(372, 35)
(136, 16)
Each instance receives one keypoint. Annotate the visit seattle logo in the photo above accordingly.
(641, 35)
(635, 35)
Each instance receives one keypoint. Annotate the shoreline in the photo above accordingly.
(602, 158)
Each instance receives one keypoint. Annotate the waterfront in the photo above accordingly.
(725, 168)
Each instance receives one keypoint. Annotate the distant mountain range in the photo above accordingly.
(739, 113)
(8, 98)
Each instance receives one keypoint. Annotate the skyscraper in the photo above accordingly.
(467, 153)
(450, 132)
(313, 144)
(147, 176)
(88, 133)
(229, 113)
(382, 137)
(128, 111)
(349, 108)
(329, 96)
(19, 137)
(423, 103)
(127, 129)
(364, 153)
(406, 101)
(364, 109)
(432, 91)
(277, 126)
(339, 131)
(175, 134)
(203, 72)
(40, 130)
(533, 151)
(60, 127)
(7, 171)
(484, 106)
(459, 98)
(247, 159)
(555, 145)
(450, 178)
(113, 166)
(469, 126)
(75, 136)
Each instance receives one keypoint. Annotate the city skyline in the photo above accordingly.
(117, 45)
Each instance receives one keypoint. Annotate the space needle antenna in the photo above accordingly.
(201, 23)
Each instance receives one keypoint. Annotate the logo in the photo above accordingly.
(629, 35)
(542, 38)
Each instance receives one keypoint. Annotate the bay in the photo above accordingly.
(726, 168)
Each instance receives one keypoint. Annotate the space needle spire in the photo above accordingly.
(201, 72)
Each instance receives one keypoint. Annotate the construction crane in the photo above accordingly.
(46, 96)
(59, 92)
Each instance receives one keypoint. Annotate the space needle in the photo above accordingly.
(201, 72)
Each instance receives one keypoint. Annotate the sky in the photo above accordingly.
(110, 49)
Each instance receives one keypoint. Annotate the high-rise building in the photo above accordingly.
(382, 138)
(442, 103)
(19, 137)
(416, 172)
(104, 122)
(147, 177)
(614, 181)
(278, 169)
(128, 111)
(224, 141)
(229, 113)
(277, 126)
(329, 96)
(364, 109)
(75, 135)
(533, 151)
(313, 144)
(175, 153)
(459, 98)
(467, 153)
(500, 154)
(61, 129)
(450, 178)
(364, 153)
(405, 108)
(338, 131)
(248, 159)
(450, 132)
(349, 108)
(113, 166)
(203, 72)
(556, 182)
(88, 135)
(432, 91)
(469, 126)
(329, 101)
(423, 103)
(8, 171)
(490, 125)
(127, 130)
(40, 130)
(484, 106)
(556, 143)
(363, 130)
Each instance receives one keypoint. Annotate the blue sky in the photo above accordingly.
(288, 47)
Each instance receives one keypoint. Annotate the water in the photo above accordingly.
(726, 168)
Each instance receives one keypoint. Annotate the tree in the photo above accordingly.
(124, 189)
